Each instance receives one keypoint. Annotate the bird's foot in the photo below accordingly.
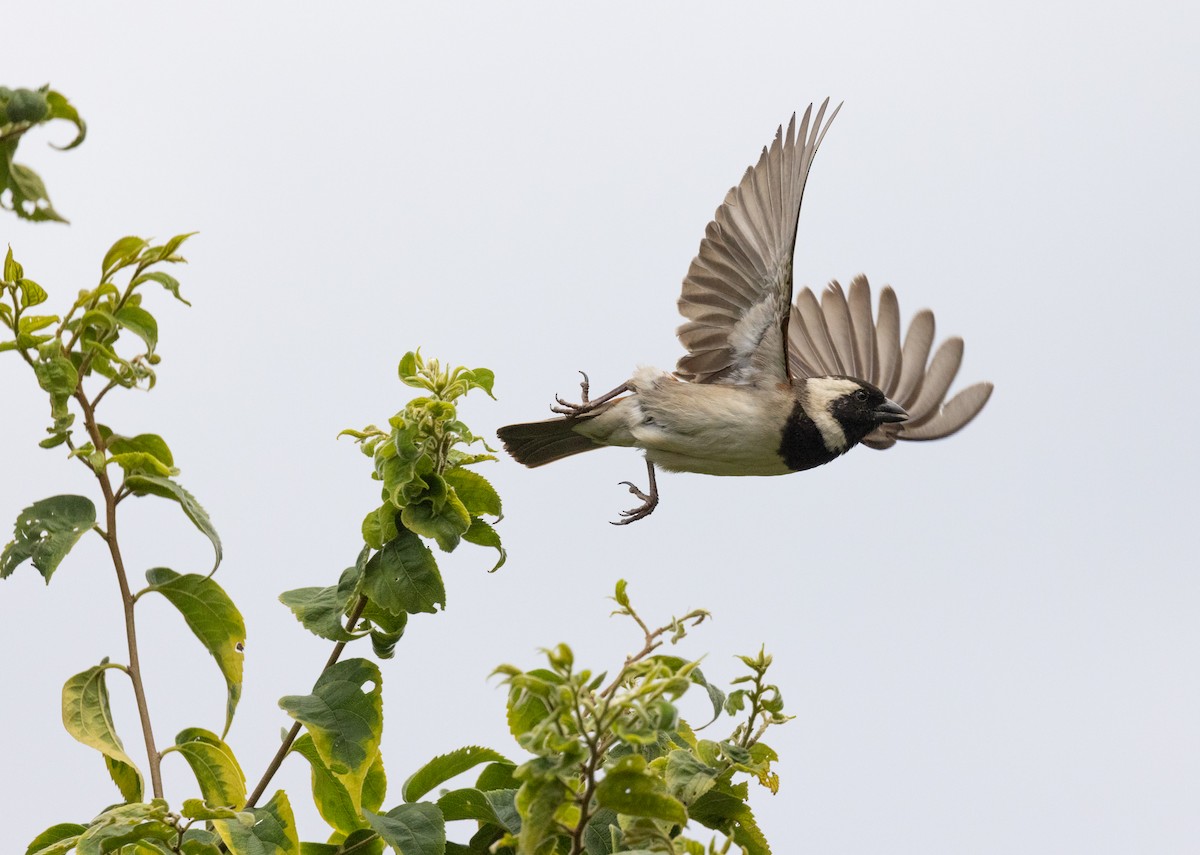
(566, 408)
(649, 500)
(586, 405)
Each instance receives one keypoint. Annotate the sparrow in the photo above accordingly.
(768, 386)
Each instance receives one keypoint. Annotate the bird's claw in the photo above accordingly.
(566, 408)
(649, 503)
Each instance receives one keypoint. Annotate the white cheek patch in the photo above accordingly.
(822, 392)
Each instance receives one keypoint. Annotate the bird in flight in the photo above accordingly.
(768, 386)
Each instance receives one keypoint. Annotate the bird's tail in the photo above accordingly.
(539, 443)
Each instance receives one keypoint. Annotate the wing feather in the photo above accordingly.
(838, 335)
(736, 297)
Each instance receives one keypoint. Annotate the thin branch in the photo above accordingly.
(127, 599)
(294, 733)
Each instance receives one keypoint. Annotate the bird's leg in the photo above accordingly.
(649, 500)
(566, 408)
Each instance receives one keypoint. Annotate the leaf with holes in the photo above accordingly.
(46, 531)
(344, 720)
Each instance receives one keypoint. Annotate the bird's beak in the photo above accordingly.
(890, 411)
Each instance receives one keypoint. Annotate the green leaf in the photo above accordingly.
(477, 495)
(687, 777)
(468, 803)
(57, 376)
(139, 322)
(537, 802)
(213, 618)
(482, 534)
(332, 800)
(142, 485)
(13, 271)
(200, 841)
(29, 198)
(715, 696)
(630, 788)
(344, 720)
(131, 825)
(413, 829)
(45, 532)
(321, 610)
(32, 294)
(144, 443)
(164, 279)
(87, 717)
(446, 766)
(404, 577)
(56, 840)
(61, 108)
(120, 254)
(273, 831)
(724, 811)
(220, 776)
(438, 514)
(199, 809)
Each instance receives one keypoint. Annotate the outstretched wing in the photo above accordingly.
(738, 292)
(839, 336)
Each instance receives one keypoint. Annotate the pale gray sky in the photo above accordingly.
(990, 643)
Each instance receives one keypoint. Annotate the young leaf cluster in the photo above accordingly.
(614, 766)
(21, 110)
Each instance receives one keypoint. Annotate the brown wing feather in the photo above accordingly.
(737, 294)
(839, 336)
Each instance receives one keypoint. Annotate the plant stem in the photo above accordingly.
(292, 734)
(127, 599)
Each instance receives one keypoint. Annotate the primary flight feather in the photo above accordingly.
(767, 386)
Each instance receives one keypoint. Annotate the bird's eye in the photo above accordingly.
(861, 395)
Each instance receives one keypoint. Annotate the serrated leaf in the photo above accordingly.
(467, 803)
(345, 721)
(724, 811)
(630, 788)
(411, 829)
(211, 615)
(56, 840)
(142, 485)
(446, 766)
(218, 773)
(474, 491)
(88, 718)
(139, 322)
(45, 532)
(404, 577)
(525, 709)
(273, 831)
(121, 253)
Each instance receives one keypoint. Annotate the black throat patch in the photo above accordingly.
(802, 446)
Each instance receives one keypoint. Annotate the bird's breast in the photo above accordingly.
(711, 429)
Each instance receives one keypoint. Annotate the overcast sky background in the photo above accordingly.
(990, 643)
